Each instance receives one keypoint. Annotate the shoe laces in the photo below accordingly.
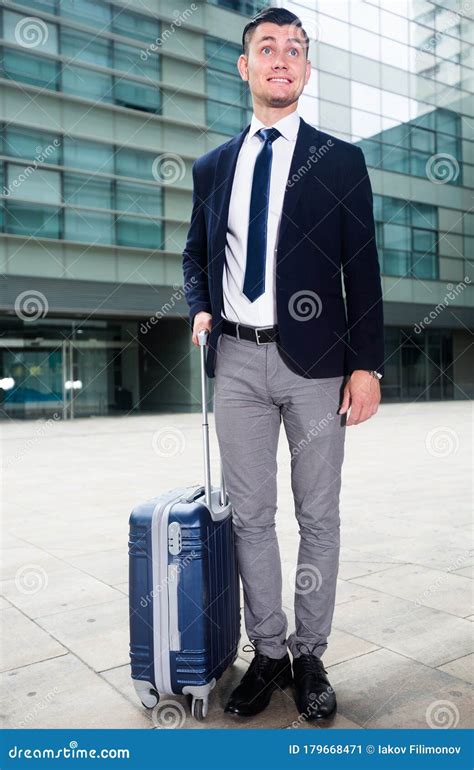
(310, 662)
(260, 663)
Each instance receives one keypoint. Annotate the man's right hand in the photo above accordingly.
(202, 321)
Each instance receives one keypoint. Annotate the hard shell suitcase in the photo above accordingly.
(184, 587)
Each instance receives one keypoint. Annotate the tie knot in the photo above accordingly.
(269, 134)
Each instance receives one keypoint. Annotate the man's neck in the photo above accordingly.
(271, 115)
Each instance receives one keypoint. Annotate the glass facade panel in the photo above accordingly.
(32, 219)
(88, 226)
(139, 233)
(88, 155)
(81, 190)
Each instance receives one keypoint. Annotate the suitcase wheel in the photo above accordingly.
(150, 699)
(199, 708)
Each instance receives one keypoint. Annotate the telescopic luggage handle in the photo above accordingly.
(202, 337)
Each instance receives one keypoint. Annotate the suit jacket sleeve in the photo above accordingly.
(196, 287)
(361, 271)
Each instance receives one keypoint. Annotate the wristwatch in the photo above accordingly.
(375, 374)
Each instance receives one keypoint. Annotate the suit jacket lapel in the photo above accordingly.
(302, 166)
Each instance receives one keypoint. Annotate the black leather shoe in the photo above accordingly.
(315, 697)
(261, 679)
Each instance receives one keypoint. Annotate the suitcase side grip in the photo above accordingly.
(173, 580)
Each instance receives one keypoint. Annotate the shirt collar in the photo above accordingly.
(287, 126)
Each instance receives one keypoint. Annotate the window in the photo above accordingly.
(138, 199)
(88, 155)
(28, 145)
(88, 226)
(135, 25)
(81, 190)
(32, 219)
(28, 68)
(30, 184)
(91, 12)
(85, 47)
(407, 234)
(228, 106)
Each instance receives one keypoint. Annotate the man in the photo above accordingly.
(282, 220)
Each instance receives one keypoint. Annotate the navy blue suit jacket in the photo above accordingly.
(326, 241)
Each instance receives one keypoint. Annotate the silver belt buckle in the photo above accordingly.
(237, 333)
(260, 329)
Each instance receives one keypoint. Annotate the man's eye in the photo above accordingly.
(264, 50)
(294, 51)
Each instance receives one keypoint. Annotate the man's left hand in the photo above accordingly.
(362, 394)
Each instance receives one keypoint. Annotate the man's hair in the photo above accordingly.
(278, 16)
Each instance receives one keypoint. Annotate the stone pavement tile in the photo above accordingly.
(471, 618)
(55, 591)
(23, 561)
(357, 568)
(70, 537)
(65, 694)
(97, 634)
(432, 588)
(4, 605)
(465, 571)
(123, 587)
(343, 646)
(427, 635)
(462, 668)
(347, 591)
(23, 642)
(110, 567)
(386, 690)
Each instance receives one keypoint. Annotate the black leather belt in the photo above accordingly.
(258, 334)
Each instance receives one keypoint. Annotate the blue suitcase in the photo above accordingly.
(184, 587)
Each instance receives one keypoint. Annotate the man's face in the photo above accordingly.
(276, 67)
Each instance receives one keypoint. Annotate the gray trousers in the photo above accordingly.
(253, 390)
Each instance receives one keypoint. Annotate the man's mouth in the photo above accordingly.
(279, 80)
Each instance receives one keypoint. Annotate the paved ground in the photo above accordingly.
(400, 654)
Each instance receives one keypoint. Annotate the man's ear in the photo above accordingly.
(242, 66)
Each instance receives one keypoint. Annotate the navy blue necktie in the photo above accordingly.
(254, 282)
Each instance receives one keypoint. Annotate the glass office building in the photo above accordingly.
(105, 106)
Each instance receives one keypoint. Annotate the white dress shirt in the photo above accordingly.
(236, 306)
